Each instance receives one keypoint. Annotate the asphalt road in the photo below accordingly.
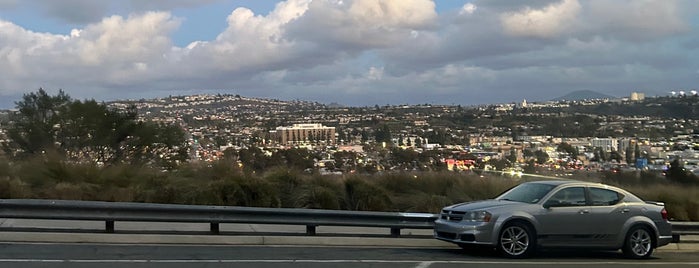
(136, 256)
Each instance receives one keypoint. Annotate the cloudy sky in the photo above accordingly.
(352, 52)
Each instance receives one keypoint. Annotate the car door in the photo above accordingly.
(565, 219)
(607, 213)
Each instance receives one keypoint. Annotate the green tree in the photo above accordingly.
(678, 173)
(383, 134)
(567, 148)
(91, 132)
(629, 153)
(34, 126)
(512, 157)
(541, 156)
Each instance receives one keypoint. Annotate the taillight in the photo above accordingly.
(664, 214)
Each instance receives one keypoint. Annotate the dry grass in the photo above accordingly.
(224, 184)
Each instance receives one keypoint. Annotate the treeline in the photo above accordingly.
(88, 131)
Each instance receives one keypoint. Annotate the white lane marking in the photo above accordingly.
(424, 264)
(419, 262)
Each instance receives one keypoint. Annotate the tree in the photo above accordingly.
(614, 155)
(512, 157)
(383, 134)
(541, 157)
(567, 148)
(629, 154)
(91, 132)
(418, 142)
(34, 126)
(678, 173)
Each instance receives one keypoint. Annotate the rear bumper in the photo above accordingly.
(664, 233)
(664, 240)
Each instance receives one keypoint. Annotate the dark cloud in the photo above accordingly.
(73, 11)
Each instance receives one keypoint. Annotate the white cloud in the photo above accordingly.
(362, 24)
(116, 39)
(251, 41)
(375, 73)
(548, 22)
(468, 8)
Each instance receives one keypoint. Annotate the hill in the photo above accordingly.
(583, 95)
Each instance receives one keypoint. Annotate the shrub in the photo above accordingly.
(360, 194)
(288, 184)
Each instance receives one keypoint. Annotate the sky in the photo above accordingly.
(350, 52)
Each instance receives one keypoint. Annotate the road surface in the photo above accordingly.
(52, 255)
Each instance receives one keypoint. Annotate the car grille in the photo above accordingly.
(450, 215)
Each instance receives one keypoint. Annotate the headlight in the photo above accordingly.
(483, 216)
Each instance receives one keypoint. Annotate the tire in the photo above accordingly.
(517, 240)
(638, 243)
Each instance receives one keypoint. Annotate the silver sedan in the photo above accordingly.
(558, 214)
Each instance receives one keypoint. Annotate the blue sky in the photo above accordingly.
(352, 52)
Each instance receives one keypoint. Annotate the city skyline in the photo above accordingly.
(355, 53)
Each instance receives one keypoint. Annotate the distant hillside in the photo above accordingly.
(584, 95)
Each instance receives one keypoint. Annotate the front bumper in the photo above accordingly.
(464, 232)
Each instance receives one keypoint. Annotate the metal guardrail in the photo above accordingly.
(111, 212)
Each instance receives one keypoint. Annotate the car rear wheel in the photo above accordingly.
(638, 243)
(517, 240)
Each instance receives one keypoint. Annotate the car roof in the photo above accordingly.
(562, 182)
(555, 182)
(576, 182)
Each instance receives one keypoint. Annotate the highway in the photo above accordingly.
(212, 256)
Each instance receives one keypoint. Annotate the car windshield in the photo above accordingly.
(527, 192)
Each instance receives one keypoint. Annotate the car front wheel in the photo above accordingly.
(638, 243)
(517, 240)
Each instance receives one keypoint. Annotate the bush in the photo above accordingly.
(224, 183)
(361, 194)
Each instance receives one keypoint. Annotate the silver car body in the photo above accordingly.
(580, 223)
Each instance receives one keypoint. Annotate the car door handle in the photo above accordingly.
(626, 210)
(584, 211)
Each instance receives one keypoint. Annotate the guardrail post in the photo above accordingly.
(215, 228)
(310, 230)
(109, 226)
(395, 232)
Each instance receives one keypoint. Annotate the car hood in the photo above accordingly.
(483, 205)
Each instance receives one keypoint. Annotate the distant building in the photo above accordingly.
(637, 96)
(608, 144)
(523, 104)
(303, 133)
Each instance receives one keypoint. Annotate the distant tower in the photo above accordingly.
(524, 103)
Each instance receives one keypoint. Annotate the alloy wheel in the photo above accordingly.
(640, 242)
(514, 240)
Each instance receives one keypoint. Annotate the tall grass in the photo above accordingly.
(224, 183)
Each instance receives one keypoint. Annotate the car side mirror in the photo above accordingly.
(552, 203)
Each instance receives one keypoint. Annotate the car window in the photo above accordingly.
(604, 197)
(527, 192)
(568, 197)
